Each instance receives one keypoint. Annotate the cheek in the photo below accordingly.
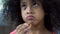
(40, 15)
(23, 14)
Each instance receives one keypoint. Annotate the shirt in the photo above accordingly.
(14, 32)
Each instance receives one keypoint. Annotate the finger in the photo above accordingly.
(24, 31)
(24, 26)
(30, 24)
(21, 25)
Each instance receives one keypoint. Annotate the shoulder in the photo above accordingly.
(13, 32)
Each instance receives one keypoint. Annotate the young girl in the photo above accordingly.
(35, 17)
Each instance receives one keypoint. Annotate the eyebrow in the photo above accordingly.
(35, 1)
(22, 2)
(32, 1)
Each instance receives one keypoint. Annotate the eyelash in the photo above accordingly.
(24, 6)
(35, 5)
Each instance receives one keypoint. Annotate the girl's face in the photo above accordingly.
(32, 11)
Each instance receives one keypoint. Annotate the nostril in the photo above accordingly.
(30, 12)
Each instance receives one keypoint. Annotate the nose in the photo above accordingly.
(30, 10)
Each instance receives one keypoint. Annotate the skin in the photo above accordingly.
(36, 10)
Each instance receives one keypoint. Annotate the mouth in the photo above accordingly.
(30, 17)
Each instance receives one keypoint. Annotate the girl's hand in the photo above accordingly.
(23, 28)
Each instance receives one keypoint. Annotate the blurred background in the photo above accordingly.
(5, 26)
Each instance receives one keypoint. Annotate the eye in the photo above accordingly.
(35, 4)
(24, 6)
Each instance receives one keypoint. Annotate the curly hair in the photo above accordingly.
(51, 7)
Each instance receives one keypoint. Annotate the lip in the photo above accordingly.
(30, 17)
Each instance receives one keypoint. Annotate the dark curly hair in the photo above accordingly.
(51, 7)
